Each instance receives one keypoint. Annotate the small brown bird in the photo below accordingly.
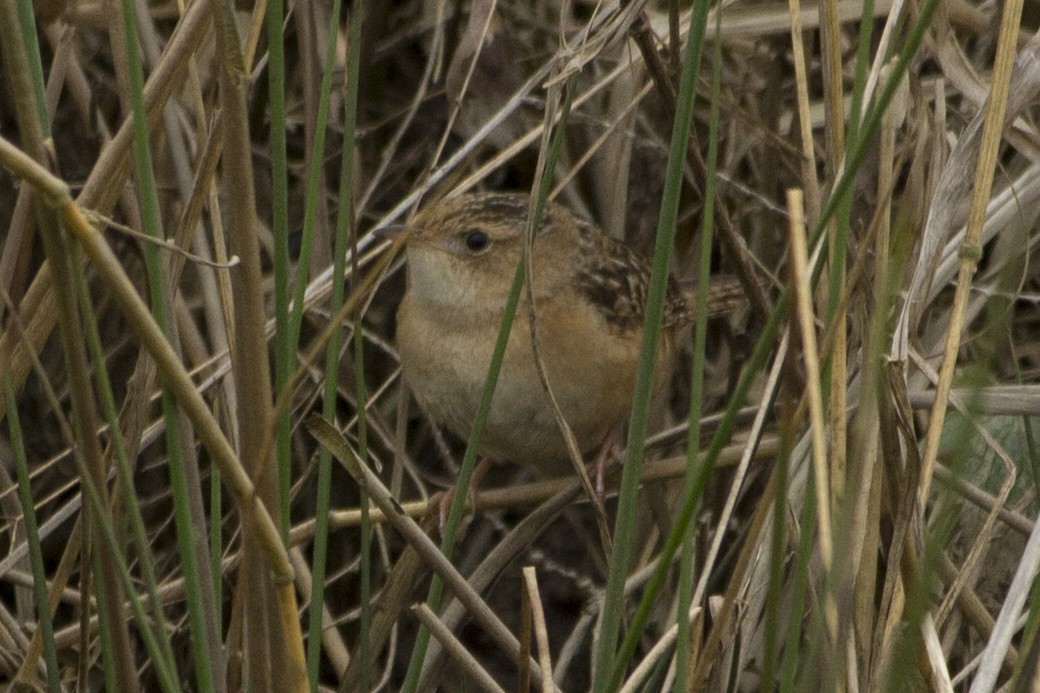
(589, 292)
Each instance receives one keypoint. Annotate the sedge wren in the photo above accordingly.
(589, 293)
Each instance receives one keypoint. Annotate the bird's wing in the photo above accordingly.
(616, 280)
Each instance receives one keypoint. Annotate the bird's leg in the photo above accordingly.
(448, 496)
(613, 445)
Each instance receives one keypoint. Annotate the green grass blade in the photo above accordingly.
(433, 597)
(27, 21)
(113, 547)
(345, 229)
(613, 607)
(125, 473)
(161, 298)
(32, 537)
(700, 339)
(285, 351)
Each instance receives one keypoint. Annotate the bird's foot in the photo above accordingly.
(612, 447)
(444, 500)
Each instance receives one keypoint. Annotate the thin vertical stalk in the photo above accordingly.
(109, 546)
(284, 352)
(27, 25)
(433, 598)
(1026, 666)
(346, 229)
(361, 394)
(777, 548)
(164, 671)
(833, 371)
(312, 192)
(215, 544)
(273, 643)
(802, 307)
(971, 248)
(700, 338)
(118, 452)
(866, 30)
(613, 605)
(792, 654)
(317, 160)
(105, 633)
(161, 297)
(32, 537)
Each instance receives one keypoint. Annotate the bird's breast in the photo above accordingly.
(445, 359)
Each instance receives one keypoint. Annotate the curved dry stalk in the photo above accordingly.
(57, 195)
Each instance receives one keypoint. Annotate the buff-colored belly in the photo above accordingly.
(592, 376)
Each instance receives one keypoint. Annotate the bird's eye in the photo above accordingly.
(476, 240)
